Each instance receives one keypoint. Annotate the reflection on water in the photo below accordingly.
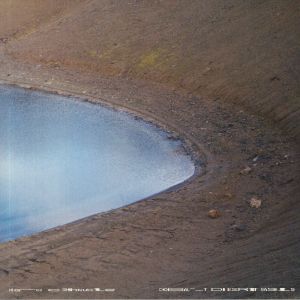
(61, 160)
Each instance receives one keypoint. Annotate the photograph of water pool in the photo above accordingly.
(62, 160)
(149, 149)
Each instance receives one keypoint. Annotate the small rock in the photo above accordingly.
(255, 203)
(245, 171)
(240, 227)
(228, 195)
(3, 271)
(274, 78)
(3, 40)
(213, 213)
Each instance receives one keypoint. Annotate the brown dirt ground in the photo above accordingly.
(223, 75)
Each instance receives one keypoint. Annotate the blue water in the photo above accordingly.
(62, 159)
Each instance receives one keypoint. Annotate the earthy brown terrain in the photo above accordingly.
(224, 76)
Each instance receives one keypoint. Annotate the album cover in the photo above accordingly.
(149, 149)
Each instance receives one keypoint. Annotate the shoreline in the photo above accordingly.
(167, 240)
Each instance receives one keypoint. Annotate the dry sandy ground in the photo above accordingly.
(222, 75)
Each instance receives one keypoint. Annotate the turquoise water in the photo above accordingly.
(62, 159)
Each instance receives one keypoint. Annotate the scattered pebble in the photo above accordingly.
(228, 195)
(246, 171)
(255, 203)
(274, 78)
(240, 227)
(213, 213)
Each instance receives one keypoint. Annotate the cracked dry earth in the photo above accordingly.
(168, 240)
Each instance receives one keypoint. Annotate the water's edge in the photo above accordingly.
(197, 156)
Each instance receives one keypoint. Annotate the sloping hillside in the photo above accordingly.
(19, 18)
(244, 52)
(221, 75)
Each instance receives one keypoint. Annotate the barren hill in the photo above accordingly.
(243, 52)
